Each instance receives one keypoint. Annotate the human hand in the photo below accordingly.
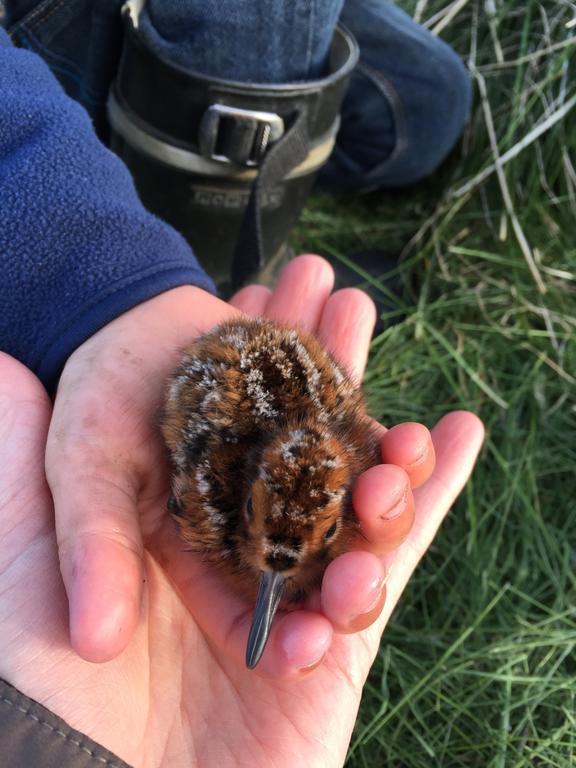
(173, 697)
(107, 470)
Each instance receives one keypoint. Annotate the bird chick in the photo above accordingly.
(267, 434)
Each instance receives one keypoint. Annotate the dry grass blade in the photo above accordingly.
(557, 116)
(518, 231)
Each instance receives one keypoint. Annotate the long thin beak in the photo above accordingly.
(269, 594)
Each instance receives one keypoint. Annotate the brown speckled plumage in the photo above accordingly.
(267, 434)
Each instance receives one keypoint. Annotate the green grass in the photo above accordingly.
(478, 665)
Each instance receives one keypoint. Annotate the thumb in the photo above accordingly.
(95, 494)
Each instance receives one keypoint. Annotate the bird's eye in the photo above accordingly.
(331, 531)
(249, 509)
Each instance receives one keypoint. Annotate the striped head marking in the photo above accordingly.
(298, 512)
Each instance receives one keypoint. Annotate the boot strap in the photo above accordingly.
(210, 160)
(284, 155)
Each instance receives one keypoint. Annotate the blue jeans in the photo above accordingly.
(405, 109)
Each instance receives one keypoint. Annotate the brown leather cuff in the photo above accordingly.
(31, 735)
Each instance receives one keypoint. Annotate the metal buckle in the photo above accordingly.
(268, 129)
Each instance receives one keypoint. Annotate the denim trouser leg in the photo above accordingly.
(268, 41)
(407, 104)
(405, 109)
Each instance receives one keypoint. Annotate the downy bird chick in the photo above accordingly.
(267, 434)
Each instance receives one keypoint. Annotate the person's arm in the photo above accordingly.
(77, 248)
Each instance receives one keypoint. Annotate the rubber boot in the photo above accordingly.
(228, 164)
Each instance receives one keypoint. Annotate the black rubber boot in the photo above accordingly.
(227, 164)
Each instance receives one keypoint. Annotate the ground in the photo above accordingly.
(478, 666)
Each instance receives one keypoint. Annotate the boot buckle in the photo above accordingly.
(239, 136)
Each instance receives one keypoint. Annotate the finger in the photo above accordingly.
(252, 299)
(353, 591)
(303, 288)
(99, 545)
(457, 441)
(409, 445)
(346, 327)
(24, 419)
(298, 640)
(384, 506)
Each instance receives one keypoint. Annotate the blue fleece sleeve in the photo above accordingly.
(77, 248)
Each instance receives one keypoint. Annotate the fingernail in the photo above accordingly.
(419, 459)
(397, 508)
(374, 592)
(307, 654)
(375, 597)
(313, 666)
